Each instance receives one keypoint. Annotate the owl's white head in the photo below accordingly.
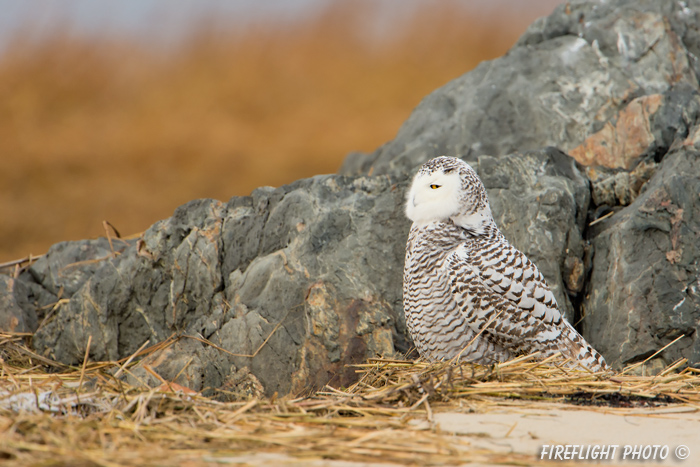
(447, 188)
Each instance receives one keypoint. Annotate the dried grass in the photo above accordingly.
(87, 416)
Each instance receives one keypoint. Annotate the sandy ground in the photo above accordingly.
(525, 429)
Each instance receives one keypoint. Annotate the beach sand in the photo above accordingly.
(526, 430)
(514, 434)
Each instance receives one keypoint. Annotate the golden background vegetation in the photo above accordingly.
(105, 128)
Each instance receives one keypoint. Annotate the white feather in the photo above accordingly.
(425, 204)
(476, 221)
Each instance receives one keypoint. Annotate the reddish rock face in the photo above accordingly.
(624, 139)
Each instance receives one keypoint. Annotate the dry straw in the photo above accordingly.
(53, 414)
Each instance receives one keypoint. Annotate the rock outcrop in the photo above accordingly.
(292, 283)
(586, 135)
(644, 289)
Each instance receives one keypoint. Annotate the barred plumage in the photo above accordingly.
(469, 292)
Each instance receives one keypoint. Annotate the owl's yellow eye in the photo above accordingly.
(434, 186)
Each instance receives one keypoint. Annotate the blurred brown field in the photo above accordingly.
(103, 128)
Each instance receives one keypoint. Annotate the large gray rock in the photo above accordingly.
(644, 289)
(293, 283)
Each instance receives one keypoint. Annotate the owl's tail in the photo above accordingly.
(581, 352)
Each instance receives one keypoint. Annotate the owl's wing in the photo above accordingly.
(503, 294)
(500, 284)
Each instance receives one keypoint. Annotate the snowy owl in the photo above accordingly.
(467, 292)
